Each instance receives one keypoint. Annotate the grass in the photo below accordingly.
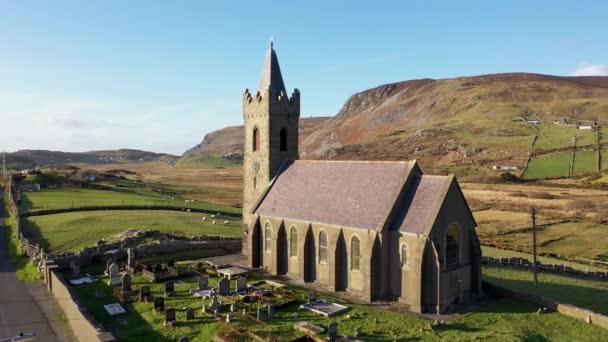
(548, 166)
(69, 232)
(503, 320)
(207, 162)
(502, 253)
(585, 137)
(552, 137)
(604, 135)
(24, 268)
(604, 160)
(58, 198)
(585, 162)
(589, 294)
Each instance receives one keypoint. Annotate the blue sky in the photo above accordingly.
(158, 75)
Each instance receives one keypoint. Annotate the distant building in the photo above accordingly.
(534, 122)
(559, 122)
(505, 167)
(585, 127)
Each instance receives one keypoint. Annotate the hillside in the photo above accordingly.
(231, 139)
(461, 125)
(30, 158)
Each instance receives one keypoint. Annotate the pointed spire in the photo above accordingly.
(271, 73)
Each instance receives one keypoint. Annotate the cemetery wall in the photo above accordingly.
(565, 309)
(82, 324)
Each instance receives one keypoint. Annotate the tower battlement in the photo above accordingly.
(270, 102)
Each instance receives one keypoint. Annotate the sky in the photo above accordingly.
(159, 75)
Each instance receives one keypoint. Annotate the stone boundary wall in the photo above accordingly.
(129, 207)
(83, 325)
(588, 316)
(526, 264)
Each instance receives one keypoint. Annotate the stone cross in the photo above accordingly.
(126, 283)
(169, 289)
(224, 287)
(144, 294)
(241, 284)
(170, 316)
(113, 274)
(159, 304)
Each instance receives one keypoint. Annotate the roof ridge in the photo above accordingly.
(354, 161)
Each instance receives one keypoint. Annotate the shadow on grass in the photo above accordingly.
(585, 297)
(33, 233)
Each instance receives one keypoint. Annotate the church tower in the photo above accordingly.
(271, 133)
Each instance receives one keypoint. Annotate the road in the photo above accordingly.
(18, 310)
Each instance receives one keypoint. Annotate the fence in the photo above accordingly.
(129, 207)
(526, 264)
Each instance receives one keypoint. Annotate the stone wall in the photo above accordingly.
(83, 326)
(526, 264)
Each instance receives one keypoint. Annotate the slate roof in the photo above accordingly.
(271, 74)
(355, 194)
(422, 203)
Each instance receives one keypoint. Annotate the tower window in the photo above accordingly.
(283, 143)
(256, 139)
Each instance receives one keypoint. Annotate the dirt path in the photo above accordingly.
(18, 310)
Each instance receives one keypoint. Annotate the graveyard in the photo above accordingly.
(167, 300)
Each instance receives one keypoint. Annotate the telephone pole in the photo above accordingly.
(534, 268)
(4, 166)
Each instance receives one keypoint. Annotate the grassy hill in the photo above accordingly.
(461, 125)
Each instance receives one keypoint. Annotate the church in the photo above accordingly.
(379, 230)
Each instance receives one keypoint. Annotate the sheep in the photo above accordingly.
(212, 222)
(226, 222)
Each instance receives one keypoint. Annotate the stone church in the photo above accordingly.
(381, 230)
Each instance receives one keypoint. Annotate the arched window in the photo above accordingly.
(322, 248)
(293, 242)
(267, 237)
(256, 139)
(452, 246)
(355, 253)
(283, 144)
(403, 255)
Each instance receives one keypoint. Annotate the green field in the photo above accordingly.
(58, 198)
(211, 162)
(604, 157)
(502, 253)
(585, 137)
(588, 294)
(503, 320)
(553, 136)
(604, 135)
(549, 166)
(69, 232)
(585, 162)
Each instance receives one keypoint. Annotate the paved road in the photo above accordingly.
(18, 311)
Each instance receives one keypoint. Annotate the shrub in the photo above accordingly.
(508, 177)
(541, 195)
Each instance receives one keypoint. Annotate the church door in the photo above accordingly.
(310, 272)
(282, 260)
(341, 264)
(376, 272)
(256, 246)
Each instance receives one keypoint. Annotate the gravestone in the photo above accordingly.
(312, 296)
(113, 274)
(241, 283)
(130, 257)
(216, 313)
(270, 311)
(159, 304)
(224, 287)
(260, 315)
(232, 308)
(204, 310)
(108, 264)
(189, 314)
(144, 294)
(227, 318)
(332, 331)
(203, 282)
(75, 269)
(170, 317)
(214, 303)
(126, 283)
(169, 289)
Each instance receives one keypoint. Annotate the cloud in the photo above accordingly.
(591, 70)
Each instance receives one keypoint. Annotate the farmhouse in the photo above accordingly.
(381, 230)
